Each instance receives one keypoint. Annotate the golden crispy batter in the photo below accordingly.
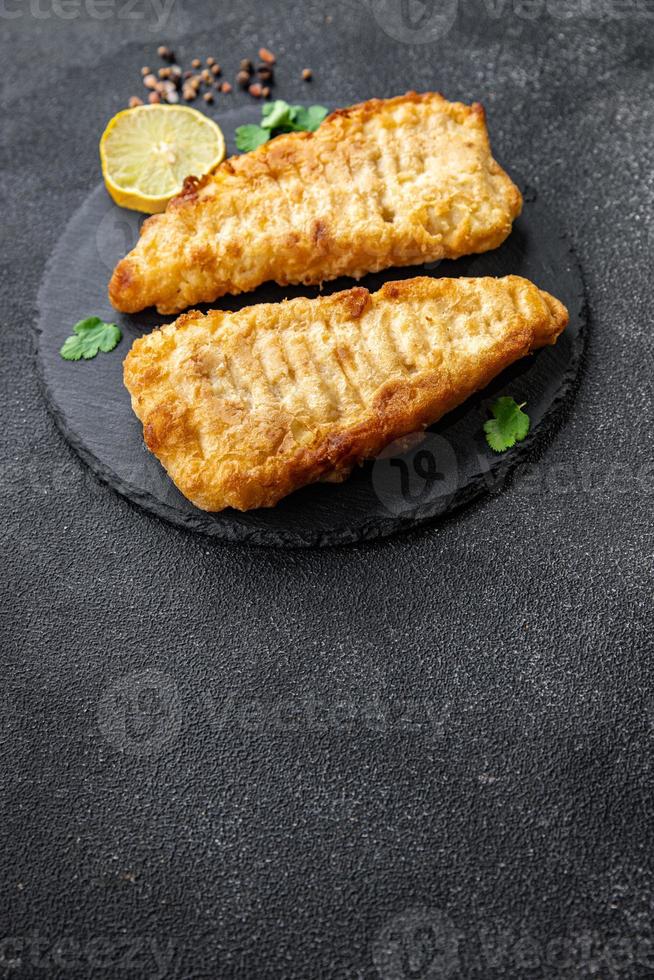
(242, 408)
(386, 183)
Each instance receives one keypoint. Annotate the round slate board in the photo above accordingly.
(409, 483)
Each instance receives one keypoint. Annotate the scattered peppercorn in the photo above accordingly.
(166, 84)
(307, 74)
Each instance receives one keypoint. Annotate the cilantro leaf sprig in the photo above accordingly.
(250, 137)
(508, 426)
(90, 336)
(279, 117)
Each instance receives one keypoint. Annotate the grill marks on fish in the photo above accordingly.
(242, 408)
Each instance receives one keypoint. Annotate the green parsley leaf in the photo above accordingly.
(250, 137)
(89, 337)
(279, 117)
(279, 113)
(509, 426)
(309, 119)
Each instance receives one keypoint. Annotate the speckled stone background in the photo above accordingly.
(424, 758)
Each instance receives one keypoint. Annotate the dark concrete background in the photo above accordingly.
(429, 757)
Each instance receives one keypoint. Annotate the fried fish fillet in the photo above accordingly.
(386, 183)
(243, 408)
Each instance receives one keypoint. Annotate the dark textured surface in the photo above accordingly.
(499, 824)
(398, 490)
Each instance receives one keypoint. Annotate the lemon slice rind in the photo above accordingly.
(147, 152)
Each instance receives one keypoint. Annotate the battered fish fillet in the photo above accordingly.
(243, 408)
(386, 183)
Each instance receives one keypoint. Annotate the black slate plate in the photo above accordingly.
(404, 487)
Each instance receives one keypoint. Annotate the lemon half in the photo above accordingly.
(147, 153)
